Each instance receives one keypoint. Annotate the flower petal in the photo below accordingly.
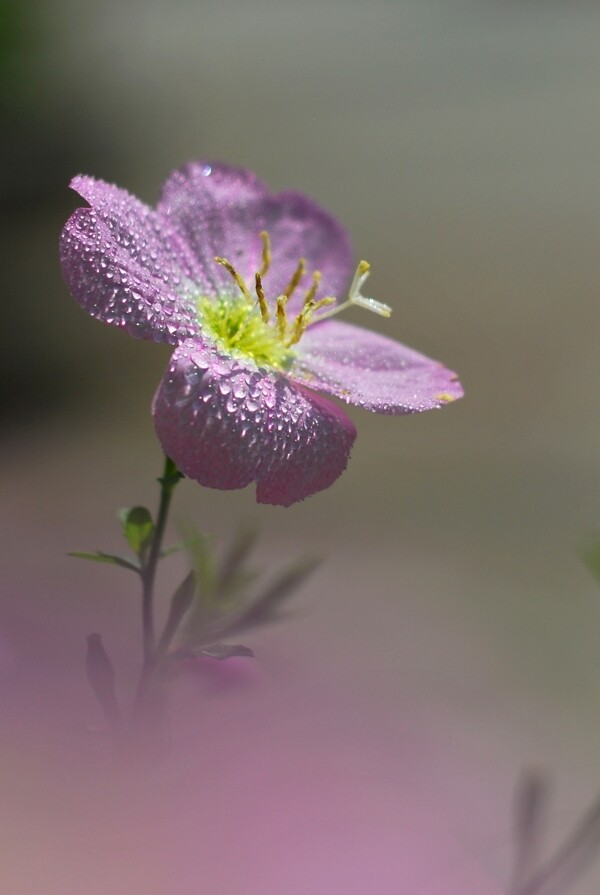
(227, 425)
(372, 371)
(152, 242)
(221, 210)
(114, 286)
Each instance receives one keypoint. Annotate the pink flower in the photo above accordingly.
(244, 283)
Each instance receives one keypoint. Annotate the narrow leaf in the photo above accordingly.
(180, 603)
(122, 561)
(531, 802)
(202, 558)
(266, 608)
(236, 556)
(225, 651)
(182, 545)
(101, 676)
(219, 651)
(591, 557)
(570, 860)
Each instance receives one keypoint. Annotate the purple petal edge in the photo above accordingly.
(221, 210)
(376, 373)
(121, 266)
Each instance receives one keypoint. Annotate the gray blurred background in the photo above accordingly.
(452, 636)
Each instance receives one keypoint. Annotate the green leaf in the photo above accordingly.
(182, 545)
(530, 817)
(591, 557)
(263, 610)
(225, 651)
(180, 603)
(232, 567)
(219, 651)
(138, 528)
(174, 548)
(267, 608)
(122, 561)
(202, 557)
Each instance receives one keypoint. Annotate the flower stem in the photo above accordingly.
(143, 697)
(169, 479)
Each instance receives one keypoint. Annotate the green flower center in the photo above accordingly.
(242, 326)
(238, 329)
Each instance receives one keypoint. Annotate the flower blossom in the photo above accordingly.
(246, 285)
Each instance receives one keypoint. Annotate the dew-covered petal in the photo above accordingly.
(227, 425)
(151, 241)
(372, 371)
(112, 286)
(221, 210)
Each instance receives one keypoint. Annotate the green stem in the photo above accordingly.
(168, 481)
(170, 477)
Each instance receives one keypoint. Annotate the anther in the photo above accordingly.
(310, 294)
(297, 276)
(323, 303)
(266, 252)
(281, 316)
(304, 318)
(236, 277)
(262, 302)
(300, 324)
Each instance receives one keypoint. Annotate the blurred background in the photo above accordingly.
(451, 637)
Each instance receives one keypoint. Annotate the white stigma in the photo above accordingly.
(355, 298)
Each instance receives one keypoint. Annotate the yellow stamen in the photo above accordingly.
(304, 318)
(266, 252)
(324, 302)
(301, 321)
(250, 326)
(281, 316)
(298, 330)
(445, 396)
(262, 302)
(236, 277)
(313, 289)
(297, 276)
